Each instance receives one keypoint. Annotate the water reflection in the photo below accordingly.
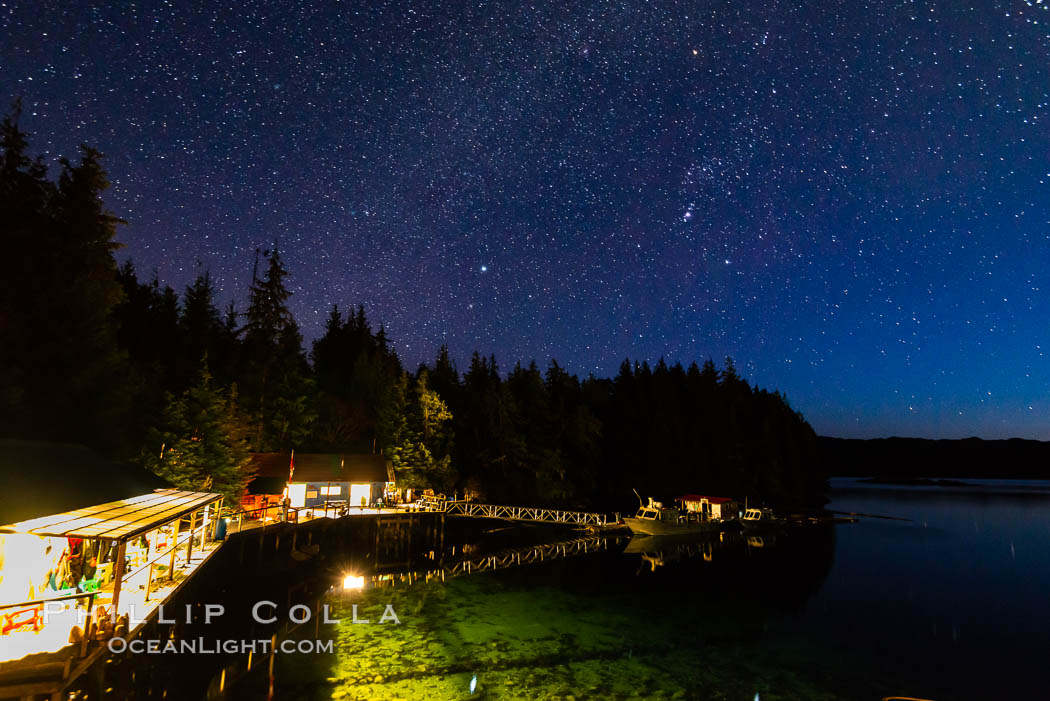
(577, 620)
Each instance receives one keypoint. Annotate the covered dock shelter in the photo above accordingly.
(132, 548)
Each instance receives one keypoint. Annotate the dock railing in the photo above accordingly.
(260, 514)
(41, 604)
(514, 513)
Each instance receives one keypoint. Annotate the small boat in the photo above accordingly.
(760, 518)
(655, 519)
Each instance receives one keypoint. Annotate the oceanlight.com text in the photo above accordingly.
(200, 646)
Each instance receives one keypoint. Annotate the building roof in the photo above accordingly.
(696, 497)
(267, 485)
(117, 520)
(41, 478)
(322, 467)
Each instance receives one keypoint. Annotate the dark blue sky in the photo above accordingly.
(851, 199)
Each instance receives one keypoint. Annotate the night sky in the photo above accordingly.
(852, 199)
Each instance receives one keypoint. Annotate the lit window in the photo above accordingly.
(360, 493)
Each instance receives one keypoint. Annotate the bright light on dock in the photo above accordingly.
(351, 581)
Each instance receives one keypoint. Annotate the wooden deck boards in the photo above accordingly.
(117, 520)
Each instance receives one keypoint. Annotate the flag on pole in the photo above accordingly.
(291, 467)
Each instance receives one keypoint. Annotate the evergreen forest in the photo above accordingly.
(95, 353)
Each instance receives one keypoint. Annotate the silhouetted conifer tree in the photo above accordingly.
(62, 370)
(199, 445)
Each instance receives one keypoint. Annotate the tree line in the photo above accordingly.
(94, 354)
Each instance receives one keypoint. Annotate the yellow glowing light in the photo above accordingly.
(351, 581)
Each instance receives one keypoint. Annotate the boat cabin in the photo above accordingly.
(762, 515)
(656, 511)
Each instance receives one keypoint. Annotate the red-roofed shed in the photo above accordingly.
(716, 508)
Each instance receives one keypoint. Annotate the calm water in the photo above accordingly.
(951, 604)
(948, 600)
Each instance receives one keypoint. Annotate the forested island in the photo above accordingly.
(94, 354)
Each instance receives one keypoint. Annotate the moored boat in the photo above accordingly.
(656, 519)
(755, 519)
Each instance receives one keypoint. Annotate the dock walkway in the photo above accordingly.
(530, 514)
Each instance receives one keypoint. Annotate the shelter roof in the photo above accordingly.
(117, 520)
(324, 467)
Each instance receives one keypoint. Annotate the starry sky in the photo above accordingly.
(851, 199)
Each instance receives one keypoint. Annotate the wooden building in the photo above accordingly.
(313, 479)
(713, 508)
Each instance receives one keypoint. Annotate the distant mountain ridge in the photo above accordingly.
(921, 457)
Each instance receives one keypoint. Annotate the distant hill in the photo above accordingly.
(919, 457)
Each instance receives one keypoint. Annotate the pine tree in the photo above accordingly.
(434, 417)
(275, 376)
(200, 444)
(292, 398)
(414, 426)
(199, 323)
(25, 194)
(62, 373)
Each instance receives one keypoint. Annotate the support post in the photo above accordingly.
(204, 525)
(149, 579)
(118, 576)
(189, 543)
(174, 548)
(218, 511)
(87, 626)
(151, 552)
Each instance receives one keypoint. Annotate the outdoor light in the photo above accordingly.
(351, 581)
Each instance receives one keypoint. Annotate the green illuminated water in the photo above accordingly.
(606, 625)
